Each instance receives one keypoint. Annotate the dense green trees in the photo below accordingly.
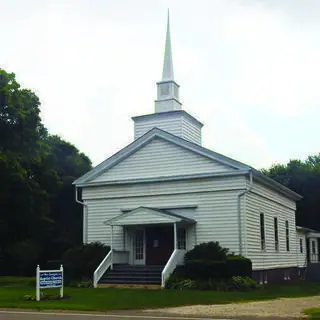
(39, 218)
(302, 177)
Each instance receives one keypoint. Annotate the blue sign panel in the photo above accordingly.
(50, 279)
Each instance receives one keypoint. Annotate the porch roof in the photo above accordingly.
(146, 216)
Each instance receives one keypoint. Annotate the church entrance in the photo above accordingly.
(159, 244)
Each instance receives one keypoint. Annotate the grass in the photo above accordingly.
(12, 291)
(313, 313)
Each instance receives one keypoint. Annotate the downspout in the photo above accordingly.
(248, 189)
(85, 222)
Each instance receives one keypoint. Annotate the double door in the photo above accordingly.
(152, 245)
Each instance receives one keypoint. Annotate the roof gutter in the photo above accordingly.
(85, 217)
(240, 195)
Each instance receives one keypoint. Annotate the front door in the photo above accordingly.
(139, 250)
(159, 245)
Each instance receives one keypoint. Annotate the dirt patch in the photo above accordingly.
(280, 308)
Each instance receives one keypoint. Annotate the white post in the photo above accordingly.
(38, 283)
(61, 288)
(111, 247)
(175, 236)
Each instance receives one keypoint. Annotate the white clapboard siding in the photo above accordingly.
(190, 131)
(171, 125)
(160, 158)
(216, 212)
(301, 256)
(163, 188)
(269, 202)
(177, 123)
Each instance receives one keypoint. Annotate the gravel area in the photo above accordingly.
(280, 308)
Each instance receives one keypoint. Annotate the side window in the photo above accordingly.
(276, 234)
(262, 232)
(301, 245)
(182, 239)
(287, 236)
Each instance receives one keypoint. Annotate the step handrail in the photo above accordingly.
(105, 264)
(175, 259)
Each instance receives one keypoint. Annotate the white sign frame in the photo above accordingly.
(38, 286)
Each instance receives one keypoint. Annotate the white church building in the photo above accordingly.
(165, 193)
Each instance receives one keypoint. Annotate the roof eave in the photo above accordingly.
(276, 185)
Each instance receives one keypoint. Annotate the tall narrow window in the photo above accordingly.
(182, 238)
(262, 232)
(276, 234)
(287, 235)
(301, 245)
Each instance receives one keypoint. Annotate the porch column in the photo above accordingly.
(175, 234)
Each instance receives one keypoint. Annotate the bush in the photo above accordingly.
(203, 270)
(84, 283)
(238, 266)
(80, 262)
(243, 284)
(234, 284)
(209, 251)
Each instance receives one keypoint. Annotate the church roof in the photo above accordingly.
(156, 132)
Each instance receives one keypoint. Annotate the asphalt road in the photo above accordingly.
(26, 315)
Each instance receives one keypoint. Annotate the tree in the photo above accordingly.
(38, 212)
(302, 177)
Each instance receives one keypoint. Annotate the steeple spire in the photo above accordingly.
(168, 89)
(167, 73)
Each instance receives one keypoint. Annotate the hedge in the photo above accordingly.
(203, 269)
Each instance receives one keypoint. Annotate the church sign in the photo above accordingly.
(49, 279)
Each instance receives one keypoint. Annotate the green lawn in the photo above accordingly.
(12, 292)
(313, 313)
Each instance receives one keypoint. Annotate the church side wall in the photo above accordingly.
(272, 204)
(216, 212)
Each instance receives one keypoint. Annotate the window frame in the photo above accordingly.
(276, 233)
(301, 245)
(262, 232)
(182, 241)
(287, 235)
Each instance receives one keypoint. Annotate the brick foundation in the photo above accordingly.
(278, 275)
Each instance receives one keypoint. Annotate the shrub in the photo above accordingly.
(84, 283)
(233, 284)
(80, 262)
(238, 266)
(209, 251)
(203, 270)
(243, 284)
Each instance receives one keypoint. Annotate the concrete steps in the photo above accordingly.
(132, 275)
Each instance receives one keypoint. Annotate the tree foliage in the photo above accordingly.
(39, 218)
(302, 177)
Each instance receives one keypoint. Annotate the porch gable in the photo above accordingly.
(147, 216)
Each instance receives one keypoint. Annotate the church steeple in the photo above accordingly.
(168, 115)
(167, 88)
(167, 73)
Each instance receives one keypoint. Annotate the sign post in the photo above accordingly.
(49, 279)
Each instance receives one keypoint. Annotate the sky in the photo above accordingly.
(248, 69)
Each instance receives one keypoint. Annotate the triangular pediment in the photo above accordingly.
(144, 215)
(159, 154)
